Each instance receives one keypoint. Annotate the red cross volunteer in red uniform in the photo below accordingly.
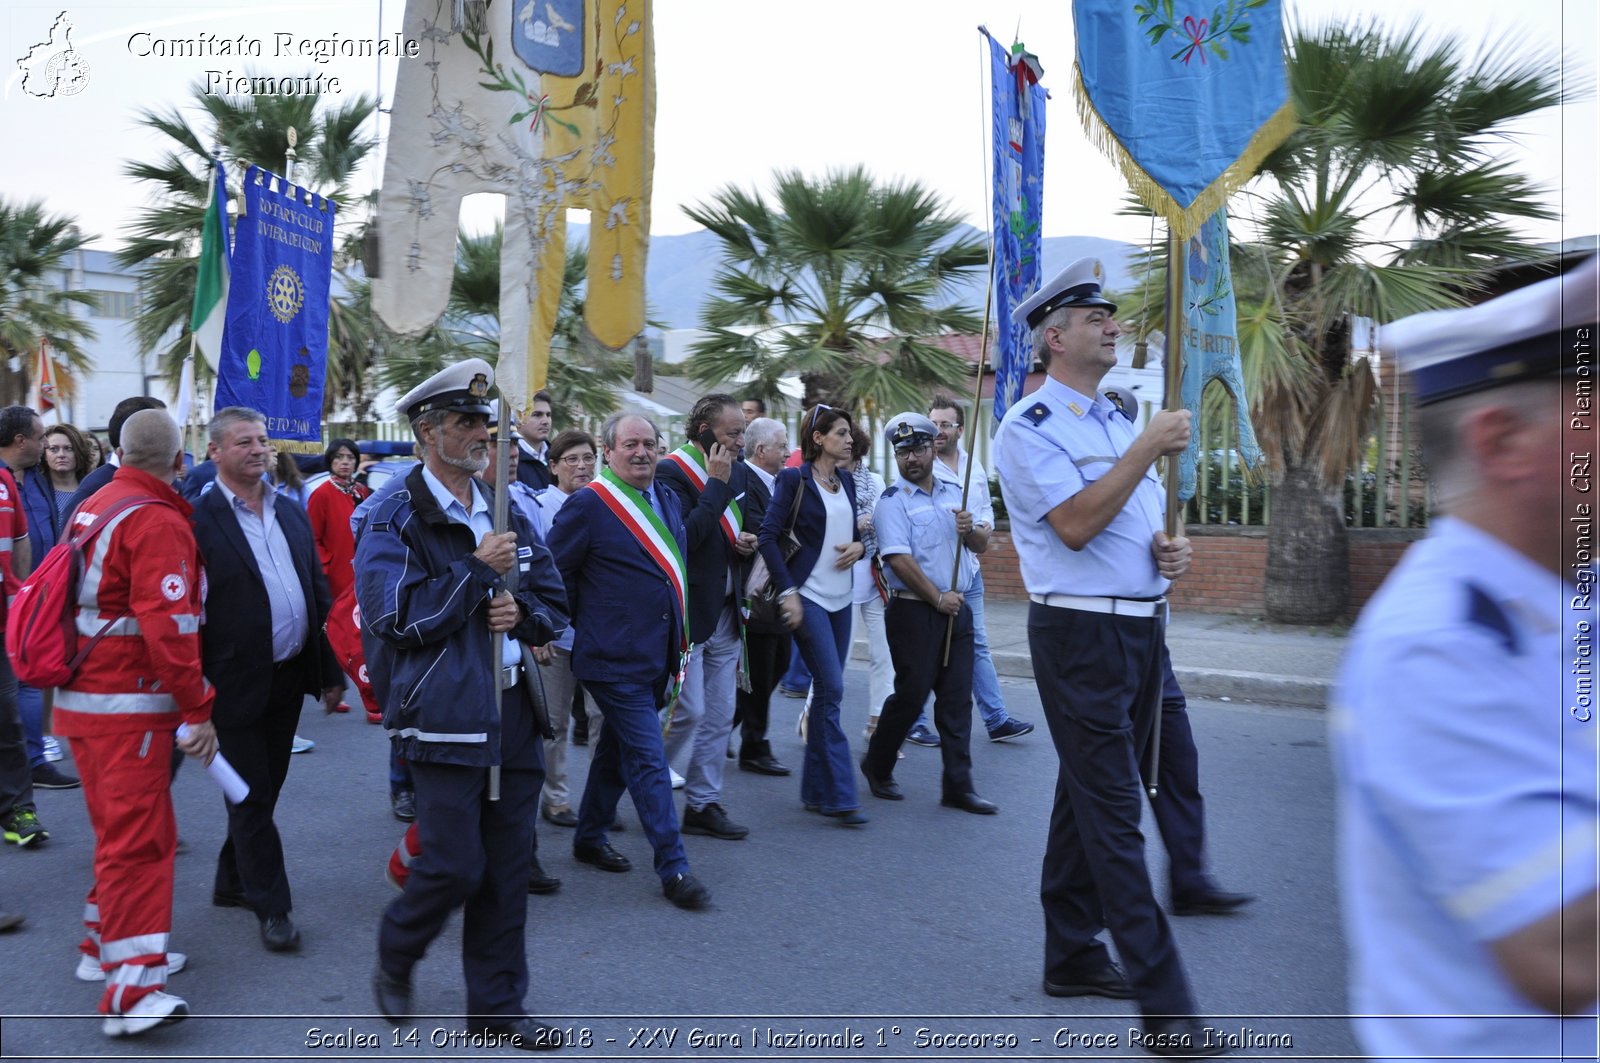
(120, 711)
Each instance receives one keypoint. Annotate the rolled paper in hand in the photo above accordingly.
(234, 788)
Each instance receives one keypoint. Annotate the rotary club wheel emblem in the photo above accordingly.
(285, 293)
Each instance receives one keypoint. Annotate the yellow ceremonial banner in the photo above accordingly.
(603, 131)
(551, 104)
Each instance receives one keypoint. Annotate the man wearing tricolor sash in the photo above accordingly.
(619, 544)
(711, 491)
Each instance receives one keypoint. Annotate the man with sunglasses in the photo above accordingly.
(920, 525)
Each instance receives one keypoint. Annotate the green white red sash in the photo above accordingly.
(636, 513)
(629, 505)
(691, 460)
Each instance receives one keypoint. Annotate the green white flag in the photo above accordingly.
(211, 282)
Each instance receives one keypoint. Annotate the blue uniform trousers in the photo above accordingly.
(475, 853)
(1179, 808)
(1097, 676)
(631, 755)
(916, 632)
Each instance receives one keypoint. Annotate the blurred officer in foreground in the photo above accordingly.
(435, 583)
(1086, 517)
(1466, 750)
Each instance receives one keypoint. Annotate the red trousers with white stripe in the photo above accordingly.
(404, 854)
(127, 781)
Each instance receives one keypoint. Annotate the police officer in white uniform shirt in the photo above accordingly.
(1086, 518)
(1464, 727)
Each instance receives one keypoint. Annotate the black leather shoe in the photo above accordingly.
(1182, 1036)
(530, 1035)
(404, 805)
(1211, 902)
(1107, 982)
(539, 882)
(279, 934)
(228, 899)
(765, 764)
(602, 856)
(393, 995)
(887, 789)
(713, 821)
(686, 892)
(970, 802)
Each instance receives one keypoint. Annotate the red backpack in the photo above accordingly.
(42, 625)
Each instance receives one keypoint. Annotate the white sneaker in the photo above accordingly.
(677, 780)
(89, 967)
(152, 1010)
(302, 745)
(52, 749)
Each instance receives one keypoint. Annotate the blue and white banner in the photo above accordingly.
(1186, 96)
(1018, 102)
(275, 346)
(1211, 343)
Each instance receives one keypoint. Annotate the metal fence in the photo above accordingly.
(1388, 489)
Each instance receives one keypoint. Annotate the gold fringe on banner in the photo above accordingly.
(1183, 220)
(298, 446)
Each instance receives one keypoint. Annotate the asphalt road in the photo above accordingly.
(918, 936)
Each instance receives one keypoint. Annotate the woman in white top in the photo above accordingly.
(817, 592)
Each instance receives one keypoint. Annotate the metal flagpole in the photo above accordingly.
(502, 519)
(972, 450)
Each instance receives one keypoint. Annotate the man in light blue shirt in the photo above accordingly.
(922, 528)
(1086, 518)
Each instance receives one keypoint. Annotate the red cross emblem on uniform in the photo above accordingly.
(173, 587)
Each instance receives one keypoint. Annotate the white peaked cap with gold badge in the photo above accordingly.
(1523, 334)
(463, 388)
(1080, 284)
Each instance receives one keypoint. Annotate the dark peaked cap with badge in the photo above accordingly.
(463, 388)
(1521, 335)
(1077, 285)
(907, 430)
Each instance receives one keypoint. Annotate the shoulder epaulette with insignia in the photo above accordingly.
(1036, 413)
(1485, 612)
(889, 491)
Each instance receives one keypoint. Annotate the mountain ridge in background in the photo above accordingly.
(681, 267)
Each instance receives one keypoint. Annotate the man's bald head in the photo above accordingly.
(151, 443)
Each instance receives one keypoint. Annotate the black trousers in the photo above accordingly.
(475, 856)
(1097, 676)
(915, 631)
(768, 658)
(251, 860)
(1179, 808)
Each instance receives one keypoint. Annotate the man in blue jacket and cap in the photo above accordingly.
(446, 603)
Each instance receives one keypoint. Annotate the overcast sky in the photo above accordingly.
(745, 86)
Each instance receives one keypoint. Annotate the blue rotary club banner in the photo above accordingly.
(275, 346)
(1210, 343)
(1018, 103)
(1187, 98)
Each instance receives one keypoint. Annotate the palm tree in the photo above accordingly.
(163, 243)
(1388, 200)
(582, 374)
(34, 245)
(841, 279)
